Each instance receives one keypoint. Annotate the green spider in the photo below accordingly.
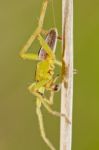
(44, 79)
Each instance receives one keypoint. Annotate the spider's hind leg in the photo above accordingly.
(42, 130)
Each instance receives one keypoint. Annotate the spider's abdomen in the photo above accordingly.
(51, 40)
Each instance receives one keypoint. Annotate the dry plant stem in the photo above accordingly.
(67, 91)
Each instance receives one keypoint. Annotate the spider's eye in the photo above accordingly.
(56, 87)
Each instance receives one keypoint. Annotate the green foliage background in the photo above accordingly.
(86, 82)
(19, 128)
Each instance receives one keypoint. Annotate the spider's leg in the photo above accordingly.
(52, 91)
(37, 86)
(51, 98)
(45, 32)
(55, 113)
(52, 87)
(29, 56)
(50, 101)
(42, 130)
(23, 53)
(37, 89)
(42, 15)
(59, 63)
(39, 114)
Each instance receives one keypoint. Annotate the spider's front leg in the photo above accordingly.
(24, 50)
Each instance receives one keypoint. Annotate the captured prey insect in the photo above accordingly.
(44, 78)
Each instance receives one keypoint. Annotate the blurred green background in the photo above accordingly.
(86, 82)
(19, 129)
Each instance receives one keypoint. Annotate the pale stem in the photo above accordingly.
(67, 91)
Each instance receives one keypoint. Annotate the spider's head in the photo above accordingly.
(56, 87)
